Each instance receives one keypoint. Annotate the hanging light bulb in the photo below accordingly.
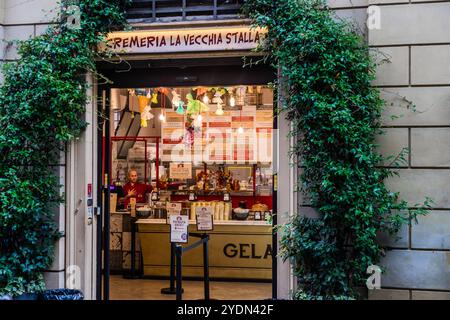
(219, 110)
(232, 101)
(240, 129)
(198, 121)
(205, 99)
(162, 117)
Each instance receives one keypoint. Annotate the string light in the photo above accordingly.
(162, 116)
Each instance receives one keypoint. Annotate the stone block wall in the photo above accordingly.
(20, 20)
(416, 85)
(415, 36)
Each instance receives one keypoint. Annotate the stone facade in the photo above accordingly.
(20, 20)
(416, 86)
(414, 36)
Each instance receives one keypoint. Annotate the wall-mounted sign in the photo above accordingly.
(187, 40)
(180, 171)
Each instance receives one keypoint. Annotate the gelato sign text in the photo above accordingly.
(184, 40)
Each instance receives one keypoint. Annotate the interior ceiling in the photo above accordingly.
(185, 72)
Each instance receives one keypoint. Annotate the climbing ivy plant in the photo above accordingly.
(42, 103)
(327, 71)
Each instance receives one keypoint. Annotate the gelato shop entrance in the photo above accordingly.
(183, 138)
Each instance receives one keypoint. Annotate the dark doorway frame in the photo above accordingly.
(193, 72)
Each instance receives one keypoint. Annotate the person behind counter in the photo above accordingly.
(134, 189)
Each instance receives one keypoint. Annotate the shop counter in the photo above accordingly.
(237, 250)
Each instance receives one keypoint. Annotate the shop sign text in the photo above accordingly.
(246, 251)
(216, 39)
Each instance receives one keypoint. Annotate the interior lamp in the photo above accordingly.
(162, 117)
(232, 101)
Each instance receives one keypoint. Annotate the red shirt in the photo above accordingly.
(140, 188)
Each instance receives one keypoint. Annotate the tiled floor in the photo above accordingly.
(143, 289)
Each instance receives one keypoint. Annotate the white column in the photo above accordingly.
(81, 230)
(286, 198)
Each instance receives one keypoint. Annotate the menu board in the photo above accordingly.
(180, 171)
(172, 135)
(218, 139)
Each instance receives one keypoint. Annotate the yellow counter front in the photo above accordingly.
(237, 250)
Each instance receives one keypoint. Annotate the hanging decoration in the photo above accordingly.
(155, 96)
(164, 91)
(180, 109)
(195, 106)
(200, 90)
(132, 93)
(218, 99)
(240, 95)
(219, 110)
(146, 116)
(144, 109)
(176, 99)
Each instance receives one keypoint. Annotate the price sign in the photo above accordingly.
(204, 217)
(179, 229)
(173, 209)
